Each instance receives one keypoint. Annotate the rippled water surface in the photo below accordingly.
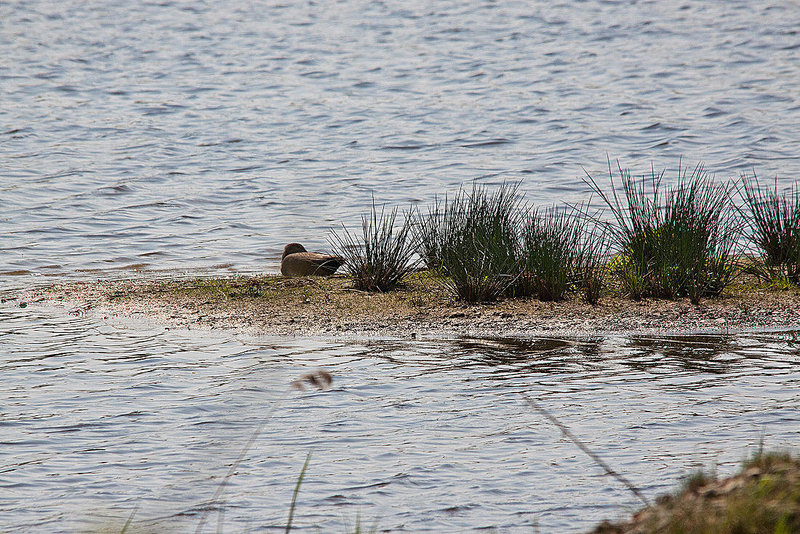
(208, 134)
(205, 135)
(99, 419)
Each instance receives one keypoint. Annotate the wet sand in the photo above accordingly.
(273, 305)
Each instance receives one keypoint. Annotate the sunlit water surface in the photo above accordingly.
(200, 137)
(169, 134)
(100, 419)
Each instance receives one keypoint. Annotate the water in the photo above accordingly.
(425, 436)
(203, 136)
(185, 135)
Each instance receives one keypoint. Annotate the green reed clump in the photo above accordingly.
(774, 229)
(592, 269)
(552, 255)
(472, 240)
(382, 255)
(671, 243)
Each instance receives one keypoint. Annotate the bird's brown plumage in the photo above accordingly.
(296, 261)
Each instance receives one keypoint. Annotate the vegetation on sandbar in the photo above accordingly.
(687, 240)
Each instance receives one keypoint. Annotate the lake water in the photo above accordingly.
(99, 419)
(200, 134)
(200, 137)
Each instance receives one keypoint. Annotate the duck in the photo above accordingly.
(297, 261)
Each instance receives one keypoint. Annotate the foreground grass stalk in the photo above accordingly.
(130, 520)
(319, 379)
(599, 461)
(221, 487)
(296, 491)
(358, 530)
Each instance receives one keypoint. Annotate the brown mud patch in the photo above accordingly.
(273, 305)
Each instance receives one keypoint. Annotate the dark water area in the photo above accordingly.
(432, 436)
(186, 135)
(185, 138)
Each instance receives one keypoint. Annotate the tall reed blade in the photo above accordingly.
(296, 491)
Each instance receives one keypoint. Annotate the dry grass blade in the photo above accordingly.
(599, 461)
(320, 379)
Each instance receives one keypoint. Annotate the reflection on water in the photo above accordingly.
(425, 435)
(701, 353)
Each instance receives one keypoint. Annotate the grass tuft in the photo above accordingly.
(763, 498)
(472, 240)
(673, 242)
(383, 255)
(774, 224)
(552, 259)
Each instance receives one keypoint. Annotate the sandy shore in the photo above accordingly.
(273, 305)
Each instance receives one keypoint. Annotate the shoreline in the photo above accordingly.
(272, 305)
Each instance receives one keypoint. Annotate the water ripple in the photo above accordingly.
(123, 416)
(318, 109)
